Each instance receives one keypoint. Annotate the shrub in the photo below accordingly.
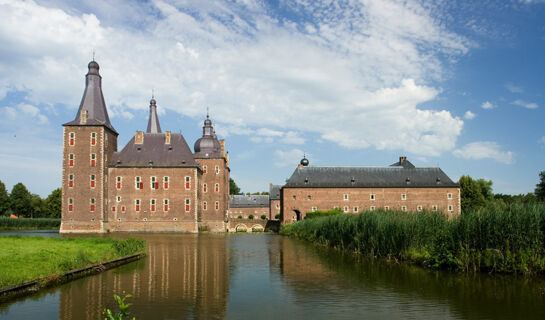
(277, 216)
(251, 217)
(263, 217)
(239, 217)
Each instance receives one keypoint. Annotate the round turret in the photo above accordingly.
(93, 67)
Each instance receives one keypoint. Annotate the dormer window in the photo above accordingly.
(93, 138)
(72, 138)
(353, 180)
(306, 180)
(408, 180)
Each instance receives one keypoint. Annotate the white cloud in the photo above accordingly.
(484, 150)
(22, 114)
(513, 88)
(345, 74)
(527, 105)
(288, 158)
(488, 105)
(469, 115)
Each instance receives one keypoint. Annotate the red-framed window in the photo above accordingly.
(187, 183)
(93, 181)
(154, 185)
(217, 205)
(70, 180)
(71, 159)
(187, 205)
(165, 182)
(204, 169)
(217, 187)
(165, 205)
(93, 138)
(72, 138)
(204, 187)
(138, 183)
(92, 203)
(137, 205)
(118, 182)
(217, 169)
(70, 204)
(204, 205)
(93, 159)
(152, 204)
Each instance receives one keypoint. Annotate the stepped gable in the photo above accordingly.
(274, 192)
(399, 175)
(243, 201)
(93, 102)
(208, 145)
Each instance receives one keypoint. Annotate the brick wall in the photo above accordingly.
(211, 218)
(274, 208)
(247, 211)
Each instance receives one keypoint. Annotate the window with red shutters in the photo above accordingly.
(70, 204)
(118, 182)
(71, 159)
(187, 205)
(70, 180)
(154, 185)
(138, 183)
(204, 169)
(204, 205)
(92, 181)
(113, 209)
(93, 138)
(93, 159)
(152, 205)
(72, 138)
(217, 205)
(165, 182)
(204, 187)
(217, 187)
(92, 201)
(123, 209)
(165, 205)
(137, 205)
(188, 183)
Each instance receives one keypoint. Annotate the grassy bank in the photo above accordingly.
(508, 239)
(27, 258)
(7, 223)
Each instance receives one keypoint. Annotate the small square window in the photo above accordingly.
(314, 209)
(345, 208)
(345, 197)
(386, 208)
(403, 208)
(294, 197)
(356, 209)
(118, 198)
(372, 197)
(450, 208)
(434, 207)
(449, 195)
(308, 197)
(372, 208)
(403, 196)
(418, 208)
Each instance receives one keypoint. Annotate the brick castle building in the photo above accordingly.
(155, 183)
(400, 186)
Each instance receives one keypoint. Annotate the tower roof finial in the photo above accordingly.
(94, 51)
(207, 112)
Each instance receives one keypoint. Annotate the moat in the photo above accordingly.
(266, 276)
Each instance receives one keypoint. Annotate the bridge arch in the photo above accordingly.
(241, 228)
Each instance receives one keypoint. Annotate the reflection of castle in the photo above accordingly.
(154, 184)
(184, 276)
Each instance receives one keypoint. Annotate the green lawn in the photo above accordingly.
(27, 258)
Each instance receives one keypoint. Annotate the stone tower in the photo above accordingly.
(214, 162)
(88, 144)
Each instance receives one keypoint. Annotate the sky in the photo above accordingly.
(459, 85)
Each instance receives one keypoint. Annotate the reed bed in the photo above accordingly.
(29, 224)
(497, 238)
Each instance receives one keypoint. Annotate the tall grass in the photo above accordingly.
(7, 223)
(498, 238)
(319, 213)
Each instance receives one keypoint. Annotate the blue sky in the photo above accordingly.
(452, 84)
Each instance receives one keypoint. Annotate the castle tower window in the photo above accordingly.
(403, 208)
(70, 204)
(93, 159)
(217, 187)
(165, 183)
(93, 138)
(449, 195)
(419, 208)
(372, 197)
(138, 183)
(403, 196)
(187, 205)
(71, 159)
(345, 209)
(153, 183)
(204, 205)
(72, 138)
(70, 180)
(152, 204)
(113, 208)
(345, 197)
(118, 182)
(118, 199)
(204, 187)
(165, 205)
(187, 182)
(204, 169)
(450, 207)
(92, 202)
(217, 205)
(309, 197)
(372, 208)
(92, 181)
(217, 169)
(123, 209)
(137, 205)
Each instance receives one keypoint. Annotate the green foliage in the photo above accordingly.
(7, 223)
(264, 193)
(27, 258)
(471, 192)
(53, 203)
(37, 206)
(123, 308)
(511, 199)
(20, 200)
(496, 238)
(239, 217)
(251, 217)
(4, 199)
(263, 217)
(321, 213)
(540, 187)
(277, 216)
(233, 188)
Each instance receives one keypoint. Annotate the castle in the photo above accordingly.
(155, 183)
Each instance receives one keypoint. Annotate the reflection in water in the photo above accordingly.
(183, 276)
(242, 276)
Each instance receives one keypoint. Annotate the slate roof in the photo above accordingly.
(369, 177)
(93, 101)
(176, 154)
(274, 191)
(153, 122)
(243, 201)
(208, 145)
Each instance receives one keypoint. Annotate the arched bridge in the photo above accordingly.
(253, 225)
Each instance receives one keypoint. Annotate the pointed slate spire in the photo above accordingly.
(153, 122)
(92, 109)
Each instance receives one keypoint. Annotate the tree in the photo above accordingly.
(37, 206)
(4, 199)
(53, 203)
(20, 200)
(233, 188)
(540, 187)
(471, 194)
(486, 189)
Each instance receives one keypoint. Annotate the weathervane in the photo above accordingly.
(153, 93)
(94, 51)
(207, 112)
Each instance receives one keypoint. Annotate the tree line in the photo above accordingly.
(21, 202)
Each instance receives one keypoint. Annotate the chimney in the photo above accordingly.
(167, 137)
(222, 143)
(299, 166)
(139, 137)
(402, 159)
(227, 159)
(83, 116)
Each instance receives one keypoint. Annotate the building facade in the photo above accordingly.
(400, 186)
(155, 183)
(274, 201)
(249, 207)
